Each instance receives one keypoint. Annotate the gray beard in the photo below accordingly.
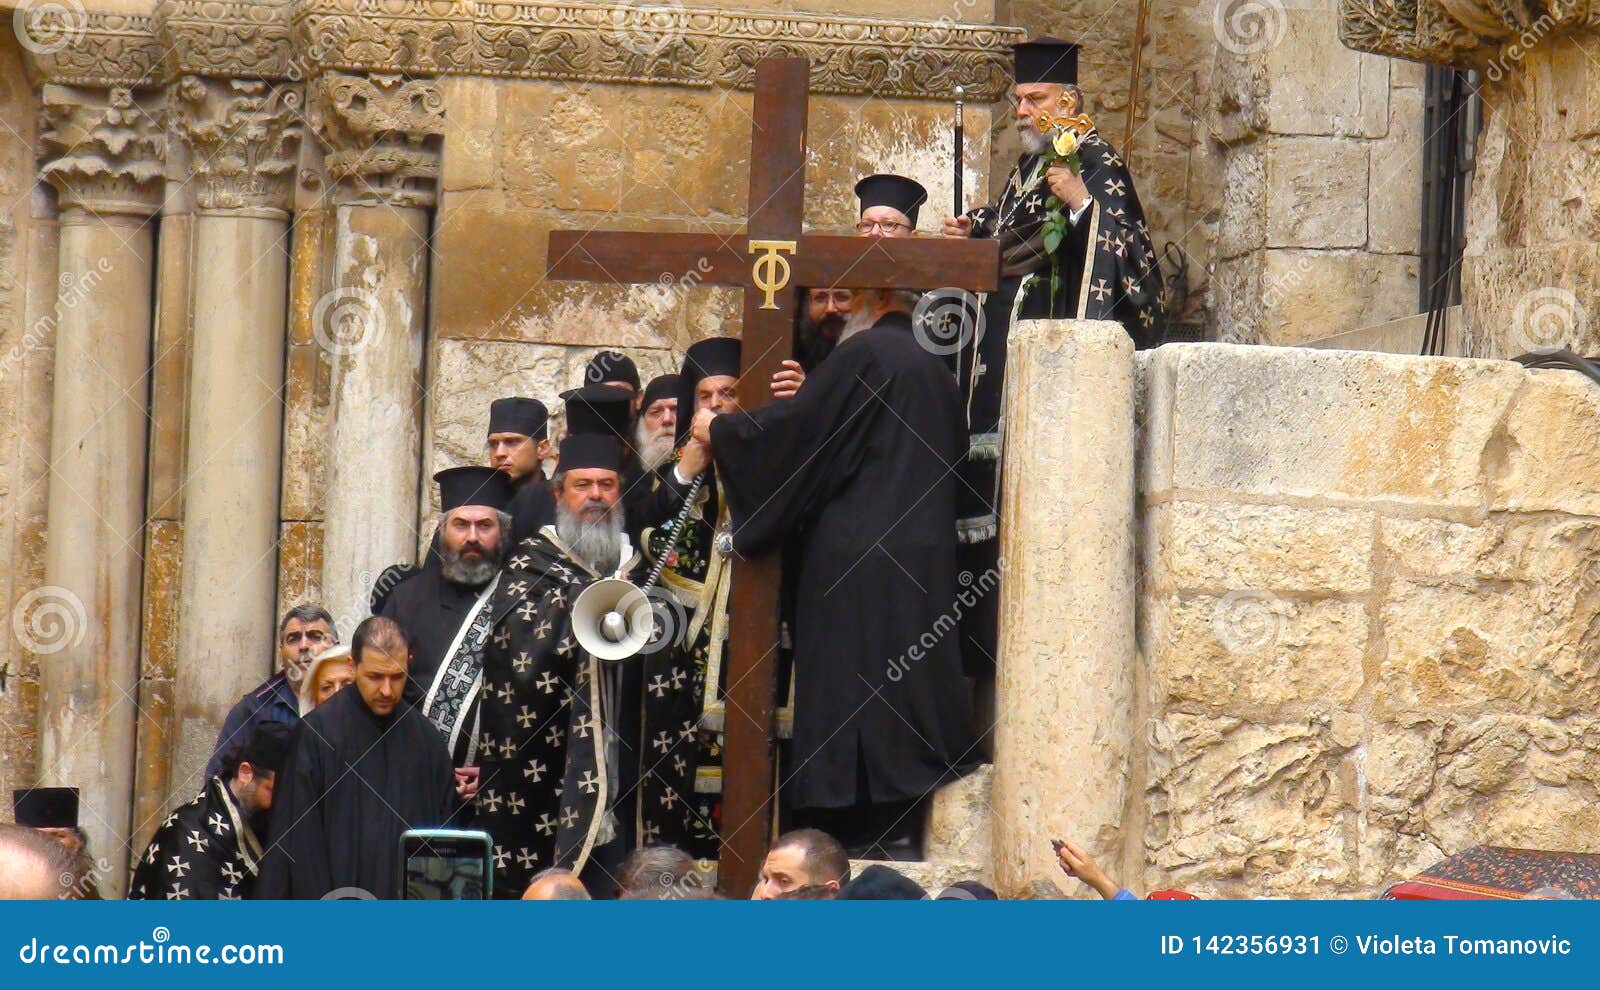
(653, 451)
(597, 544)
(1034, 141)
(472, 573)
(857, 321)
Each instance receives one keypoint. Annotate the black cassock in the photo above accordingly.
(862, 462)
(204, 851)
(431, 610)
(532, 507)
(352, 783)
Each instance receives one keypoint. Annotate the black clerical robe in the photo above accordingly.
(861, 461)
(204, 851)
(1107, 270)
(548, 793)
(353, 782)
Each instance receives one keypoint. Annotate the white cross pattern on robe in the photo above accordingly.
(553, 737)
(542, 630)
(658, 687)
(651, 832)
(459, 678)
(502, 638)
(534, 771)
(1101, 290)
(514, 804)
(490, 800)
(566, 646)
(1116, 187)
(508, 748)
(678, 676)
(194, 838)
(520, 562)
(504, 693)
(569, 817)
(662, 741)
(679, 764)
(547, 683)
(589, 783)
(527, 611)
(526, 859)
(233, 873)
(669, 798)
(518, 588)
(228, 894)
(1107, 239)
(218, 824)
(545, 825)
(178, 893)
(526, 717)
(522, 662)
(178, 866)
(501, 858)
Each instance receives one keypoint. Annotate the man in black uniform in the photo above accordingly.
(519, 442)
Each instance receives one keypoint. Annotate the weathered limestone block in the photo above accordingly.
(1442, 784)
(1255, 649)
(958, 836)
(1316, 193)
(1238, 809)
(1394, 210)
(1278, 548)
(1317, 86)
(1326, 424)
(1549, 460)
(1064, 678)
(1312, 294)
(1522, 647)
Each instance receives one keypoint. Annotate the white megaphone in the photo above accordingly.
(613, 619)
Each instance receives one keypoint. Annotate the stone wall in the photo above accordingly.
(27, 337)
(1367, 616)
(1287, 167)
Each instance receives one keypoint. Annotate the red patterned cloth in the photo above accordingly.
(1499, 873)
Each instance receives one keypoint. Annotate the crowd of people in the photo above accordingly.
(467, 699)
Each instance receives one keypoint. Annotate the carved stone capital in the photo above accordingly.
(382, 134)
(228, 38)
(104, 149)
(243, 140)
(1466, 34)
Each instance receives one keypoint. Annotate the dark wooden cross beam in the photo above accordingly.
(771, 260)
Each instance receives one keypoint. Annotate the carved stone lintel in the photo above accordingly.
(1465, 34)
(105, 149)
(624, 41)
(243, 140)
(382, 134)
(228, 38)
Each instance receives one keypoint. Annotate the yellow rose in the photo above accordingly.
(1066, 142)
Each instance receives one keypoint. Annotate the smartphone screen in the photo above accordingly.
(445, 865)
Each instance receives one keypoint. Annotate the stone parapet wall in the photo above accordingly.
(1366, 616)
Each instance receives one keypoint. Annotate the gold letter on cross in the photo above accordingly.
(771, 270)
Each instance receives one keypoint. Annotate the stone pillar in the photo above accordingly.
(241, 137)
(106, 149)
(382, 136)
(1067, 651)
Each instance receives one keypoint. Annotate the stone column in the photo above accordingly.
(106, 149)
(241, 137)
(382, 135)
(1067, 649)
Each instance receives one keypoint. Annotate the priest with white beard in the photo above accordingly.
(571, 775)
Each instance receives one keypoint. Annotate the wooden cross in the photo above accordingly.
(771, 260)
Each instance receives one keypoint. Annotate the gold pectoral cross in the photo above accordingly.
(770, 272)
